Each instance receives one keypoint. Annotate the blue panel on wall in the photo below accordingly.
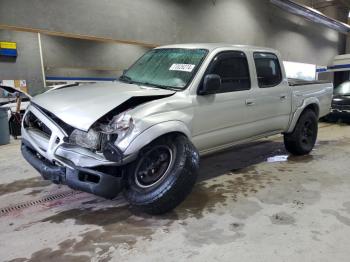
(59, 78)
(8, 52)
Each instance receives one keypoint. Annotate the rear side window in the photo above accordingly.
(268, 69)
(233, 69)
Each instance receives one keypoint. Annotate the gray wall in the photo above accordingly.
(168, 21)
(82, 58)
(27, 66)
(257, 22)
(153, 21)
(64, 57)
(253, 22)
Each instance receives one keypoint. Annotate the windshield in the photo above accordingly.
(343, 89)
(166, 68)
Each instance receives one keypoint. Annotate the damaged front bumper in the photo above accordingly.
(63, 163)
(84, 179)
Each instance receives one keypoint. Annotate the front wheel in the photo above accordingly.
(304, 136)
(163, 174)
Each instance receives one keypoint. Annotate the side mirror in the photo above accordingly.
(211, 85)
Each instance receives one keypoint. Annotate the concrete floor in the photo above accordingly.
(244, 208)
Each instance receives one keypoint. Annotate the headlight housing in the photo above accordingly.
(120, 125)
(99, 135)
(89, 139)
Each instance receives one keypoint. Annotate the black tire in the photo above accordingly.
(302, 140)
(154, 189)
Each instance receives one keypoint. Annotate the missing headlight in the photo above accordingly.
(118, 127)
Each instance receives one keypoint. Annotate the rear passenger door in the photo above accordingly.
(221, 118)
(272, 97)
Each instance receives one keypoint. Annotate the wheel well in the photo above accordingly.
(314, 108)
(175, 133)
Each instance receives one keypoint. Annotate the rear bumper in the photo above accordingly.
(84, 179)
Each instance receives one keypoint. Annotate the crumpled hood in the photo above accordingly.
(82, 106)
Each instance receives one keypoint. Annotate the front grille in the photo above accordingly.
(67, 128)
(340, 107)
(31, 121)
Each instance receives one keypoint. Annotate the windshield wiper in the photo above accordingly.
(129, 80)
(162, 87)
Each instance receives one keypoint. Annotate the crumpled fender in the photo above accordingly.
(299, 111)
(153, 132)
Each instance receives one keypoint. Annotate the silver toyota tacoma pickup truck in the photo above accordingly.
(143, 135)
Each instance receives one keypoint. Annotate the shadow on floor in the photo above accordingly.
(341, 119)
(238, 157)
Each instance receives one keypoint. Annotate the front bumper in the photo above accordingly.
(340, 111)
(84, 179)
(340, 108)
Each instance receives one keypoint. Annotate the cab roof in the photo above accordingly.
(213, 46)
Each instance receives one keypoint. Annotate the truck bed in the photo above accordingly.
(321, 91)
(301, 82)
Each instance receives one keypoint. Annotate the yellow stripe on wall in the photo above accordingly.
(8, 45)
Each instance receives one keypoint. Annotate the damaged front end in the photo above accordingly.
(102, 138)
(68, 156)
(89, 161)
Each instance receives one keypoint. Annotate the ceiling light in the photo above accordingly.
(312, 15)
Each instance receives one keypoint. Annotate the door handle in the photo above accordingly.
(250, 102)
(283, 97)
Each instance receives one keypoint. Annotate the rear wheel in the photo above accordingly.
(302, 140)
(163, 174)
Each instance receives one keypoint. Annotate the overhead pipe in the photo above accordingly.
(312, 15)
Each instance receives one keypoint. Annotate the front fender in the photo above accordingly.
(153, 133)
(299, 111)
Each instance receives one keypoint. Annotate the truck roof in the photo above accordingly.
(212, 46)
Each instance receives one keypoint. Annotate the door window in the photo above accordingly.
(268, 69)
(233, 69)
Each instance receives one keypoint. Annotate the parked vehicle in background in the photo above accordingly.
(16, 103)
(143, 134)
(341, 100)
(340, 70)
(9, 101)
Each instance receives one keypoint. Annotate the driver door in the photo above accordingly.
(224, 117)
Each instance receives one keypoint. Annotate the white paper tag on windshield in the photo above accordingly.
(182, 67)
